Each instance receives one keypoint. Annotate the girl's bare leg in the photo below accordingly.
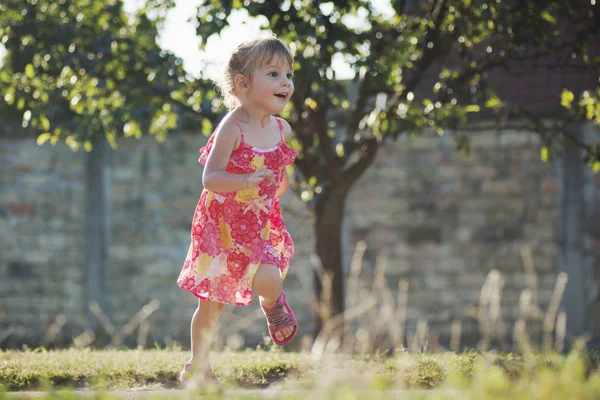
(268, 285)
(202, 330)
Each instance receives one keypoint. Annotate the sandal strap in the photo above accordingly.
(277, 317)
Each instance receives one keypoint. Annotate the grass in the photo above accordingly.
(126, 369)
(477, 375)
(357, 367)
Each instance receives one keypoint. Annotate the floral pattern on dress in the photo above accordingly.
(233, 233)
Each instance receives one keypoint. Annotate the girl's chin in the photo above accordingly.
(274, 107)
(279, 107)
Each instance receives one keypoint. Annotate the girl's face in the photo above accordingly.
(271, 85)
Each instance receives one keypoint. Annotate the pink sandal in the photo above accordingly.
(278, 317)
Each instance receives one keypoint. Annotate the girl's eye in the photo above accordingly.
(290, 76)
(273, 74)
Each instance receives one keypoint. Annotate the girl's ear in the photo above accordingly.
(241, 83)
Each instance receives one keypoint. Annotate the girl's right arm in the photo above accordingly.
(215, 178)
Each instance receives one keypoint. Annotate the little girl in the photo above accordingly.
(239, 240)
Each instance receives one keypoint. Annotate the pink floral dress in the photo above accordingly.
(234, 232)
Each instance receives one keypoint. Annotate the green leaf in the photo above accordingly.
(566, 98)
(493, 102)
(473, 108)
(463, 146)
(71, 141)
(544, 154)
(548, 17)
(311, 103)
(45, 122)
(9, 97)
(207, 126)
(590, 110)
(29, 71)
(111, 139)
(87, 146)
(132, 128)
(596, 167)
(43, 138)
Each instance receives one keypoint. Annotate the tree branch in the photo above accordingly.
(305, 167)
(331, 168)
(369, 147)
(357, 111)
(309, 165)
(424, 62)
(558, 129)
(399, 6)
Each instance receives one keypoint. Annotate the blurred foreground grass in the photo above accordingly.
(476, 375)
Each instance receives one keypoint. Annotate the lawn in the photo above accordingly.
(440, 375)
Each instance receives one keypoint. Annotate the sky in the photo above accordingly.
(179, 37)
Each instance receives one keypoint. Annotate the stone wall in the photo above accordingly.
(443, 221)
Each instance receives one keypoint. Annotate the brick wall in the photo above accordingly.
(445, 222)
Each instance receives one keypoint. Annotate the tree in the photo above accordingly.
(394, 55)
(85, 73)
(79, 71)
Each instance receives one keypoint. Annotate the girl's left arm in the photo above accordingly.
(285, 183)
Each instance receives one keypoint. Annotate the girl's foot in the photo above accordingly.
(280, 320)
(187, 373)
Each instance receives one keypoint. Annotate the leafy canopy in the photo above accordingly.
(422, 64)
(79, 70)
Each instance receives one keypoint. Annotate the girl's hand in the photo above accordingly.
(260, 175)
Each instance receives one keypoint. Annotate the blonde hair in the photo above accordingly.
(245, 59)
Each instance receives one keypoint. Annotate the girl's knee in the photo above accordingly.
(267, 280)
(212, 307)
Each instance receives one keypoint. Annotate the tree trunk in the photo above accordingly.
(328, 271)
(97, 231)
(574, 244)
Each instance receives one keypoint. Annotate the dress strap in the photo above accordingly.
(237, 123)
(280, 128)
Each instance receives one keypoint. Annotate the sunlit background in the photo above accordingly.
(445, 218)
(179, 36)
